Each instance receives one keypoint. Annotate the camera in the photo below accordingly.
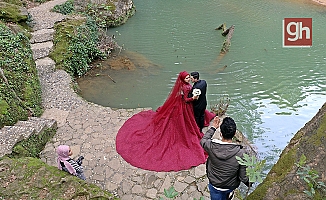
(79, 161)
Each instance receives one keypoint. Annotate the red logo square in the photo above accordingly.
(297, 32)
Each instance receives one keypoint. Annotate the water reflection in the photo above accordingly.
(274, 91)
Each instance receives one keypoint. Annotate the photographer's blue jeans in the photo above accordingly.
(218, 194)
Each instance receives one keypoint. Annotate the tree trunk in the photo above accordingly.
(227, 42)
(222, 26)
(225, 32)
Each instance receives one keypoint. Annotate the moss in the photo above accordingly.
(3, 107)
(291, 192)
(278, 173)
(32, 146)
(318, 139)
(319, 196)
(297, 136)
(34, 179)
(310, 141)
(32, 95)
(15, 2)
(22, 81)
(11, 13)
(104, 14)
(62, 37)
(75, 46)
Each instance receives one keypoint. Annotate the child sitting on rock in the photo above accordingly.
(67, 164)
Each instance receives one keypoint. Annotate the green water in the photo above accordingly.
(274, 91)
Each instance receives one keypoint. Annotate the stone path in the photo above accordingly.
(91, 129)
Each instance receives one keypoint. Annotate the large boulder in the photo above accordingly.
(13, 13)
(107, 13)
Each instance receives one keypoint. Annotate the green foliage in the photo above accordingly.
(66, 8)
(254, 167)
(19, 84)
(253, 170)
(76, 46)
(3, 107)
(310, 176)
(171, 193)
(83, 48)
(201, 198)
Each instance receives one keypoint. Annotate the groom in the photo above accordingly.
(201, 103)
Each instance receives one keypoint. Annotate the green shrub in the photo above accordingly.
(19, 83)
(310, 176)
(75, 46)
(66, 8)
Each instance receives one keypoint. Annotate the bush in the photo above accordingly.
(20, 91)
(75, 45)
(66, 8)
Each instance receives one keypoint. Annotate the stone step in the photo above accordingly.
(46, 20)
(11, 135)
(30, 124)
(43, 35)
(18, 133)
(38, 126)
(45, 66)
(41, 50)
(49, 123)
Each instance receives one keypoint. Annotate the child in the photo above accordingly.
(67, 164)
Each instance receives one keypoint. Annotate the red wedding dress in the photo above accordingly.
(167, 139)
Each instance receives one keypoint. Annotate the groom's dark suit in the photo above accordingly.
(200, 104)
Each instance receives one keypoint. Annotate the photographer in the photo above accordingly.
(223, 170)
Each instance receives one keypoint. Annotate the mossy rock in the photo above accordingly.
(21, 90)
(16, 2)
(62, 39)
(107, 13)
(30, 178)
(13, 13)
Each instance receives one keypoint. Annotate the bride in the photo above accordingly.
(166, 139)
